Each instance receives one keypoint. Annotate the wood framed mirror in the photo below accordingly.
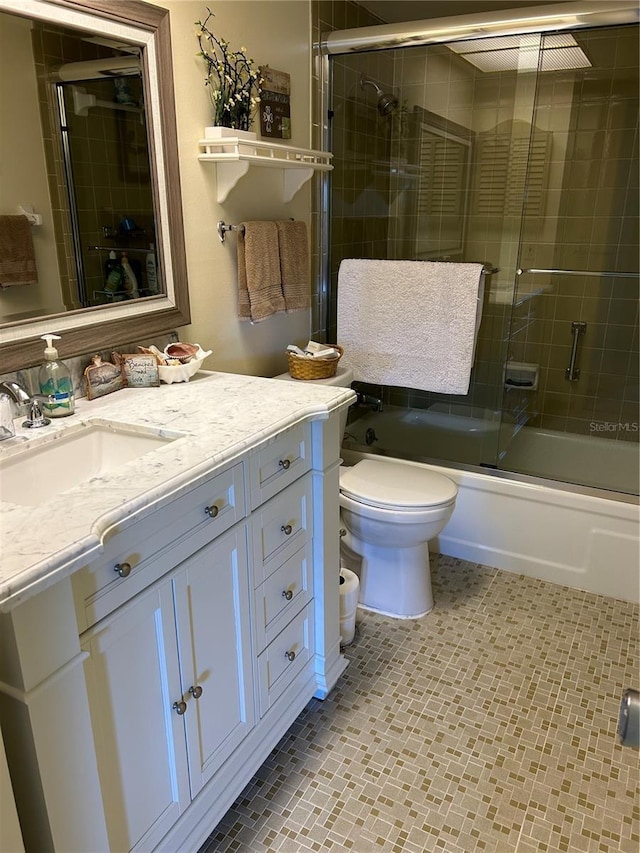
(144, 30)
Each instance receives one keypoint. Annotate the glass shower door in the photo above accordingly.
(570, 409)
(438, 178)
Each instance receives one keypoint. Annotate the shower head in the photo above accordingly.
(387, 103)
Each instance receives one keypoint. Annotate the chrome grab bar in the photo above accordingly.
(572, 373)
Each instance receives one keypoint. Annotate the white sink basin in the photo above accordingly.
(56, 464)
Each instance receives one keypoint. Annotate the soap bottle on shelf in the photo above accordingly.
(55, 382)
(151, 269)
(130, 280)
(114, 275)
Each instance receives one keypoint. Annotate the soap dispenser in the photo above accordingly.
(55, 382)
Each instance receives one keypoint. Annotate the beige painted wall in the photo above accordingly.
(275, 33)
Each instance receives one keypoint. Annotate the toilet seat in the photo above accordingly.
(396, 485)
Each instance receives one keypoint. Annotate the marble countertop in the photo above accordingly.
(218, 416)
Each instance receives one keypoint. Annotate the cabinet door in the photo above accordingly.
(211, 591)
(131, 672)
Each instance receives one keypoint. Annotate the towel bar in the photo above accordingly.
(223, 228)
(600, 273)
(27, 210)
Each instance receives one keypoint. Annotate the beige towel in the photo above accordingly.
(294, 264)
(259, 282)
(244, 304)
(17, 256)
(410, 324)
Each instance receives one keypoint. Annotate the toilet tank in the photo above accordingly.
(343, 379)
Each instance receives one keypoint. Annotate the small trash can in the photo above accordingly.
(349, 590)
(629, 719)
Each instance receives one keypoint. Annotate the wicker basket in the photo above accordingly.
(313, 368)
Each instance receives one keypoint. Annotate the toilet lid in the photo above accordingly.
(393, 484)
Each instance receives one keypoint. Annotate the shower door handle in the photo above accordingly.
(572, 373)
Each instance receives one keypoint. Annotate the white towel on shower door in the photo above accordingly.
(411, 324)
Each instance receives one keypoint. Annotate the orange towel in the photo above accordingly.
(259, 282)
(17, 255)
(294, 264)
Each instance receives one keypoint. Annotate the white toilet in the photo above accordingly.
(390, 509)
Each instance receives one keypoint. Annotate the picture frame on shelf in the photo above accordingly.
(275, 103)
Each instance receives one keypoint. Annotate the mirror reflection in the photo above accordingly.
(78, 105)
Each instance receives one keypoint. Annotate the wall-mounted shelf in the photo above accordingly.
(233, 156)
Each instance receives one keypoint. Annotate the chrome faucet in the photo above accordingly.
(375, 403)
(16, 392)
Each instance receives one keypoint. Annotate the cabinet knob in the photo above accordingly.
(286, 529)
(122, 569)
(196, 691)
(288, 594)
(212, 510)
(284, 463)
(290, 656)
(180, 707)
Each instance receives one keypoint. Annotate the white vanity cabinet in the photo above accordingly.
(170, 687)
(282, 532)
(141, 691)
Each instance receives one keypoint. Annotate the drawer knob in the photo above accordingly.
(180, 707)
(196, 691)
(122, 569)
(288, 594)
(290, 656)
(285, 463)
(212, 510)
(287, 529)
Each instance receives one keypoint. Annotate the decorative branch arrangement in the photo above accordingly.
(232, 81)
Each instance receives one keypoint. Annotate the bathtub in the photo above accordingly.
(466, 434)
(602, 462)
(469, 435)
(581, 537)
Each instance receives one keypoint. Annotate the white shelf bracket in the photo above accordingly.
(228, 175)
(293, 179)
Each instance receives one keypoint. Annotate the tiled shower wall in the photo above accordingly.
(582, 209)
(590, 223)
(327, 15)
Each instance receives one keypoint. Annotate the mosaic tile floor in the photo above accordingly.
(489, 725)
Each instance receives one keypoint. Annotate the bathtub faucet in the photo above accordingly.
(374, 403)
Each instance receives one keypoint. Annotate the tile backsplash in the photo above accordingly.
(28, 378)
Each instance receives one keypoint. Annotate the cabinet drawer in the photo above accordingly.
(284, 593)
(285, 657)
(281, 527)
(280, 463)
(147, 550)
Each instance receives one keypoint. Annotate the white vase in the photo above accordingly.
(220, 132)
